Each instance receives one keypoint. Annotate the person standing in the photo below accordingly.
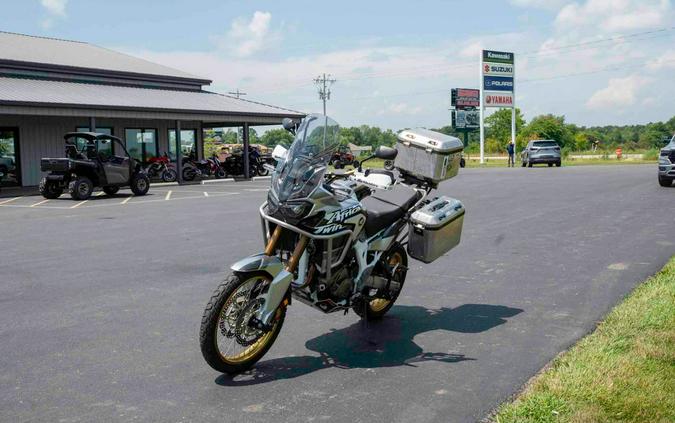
(511, 150)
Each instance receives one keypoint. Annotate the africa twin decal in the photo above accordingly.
(334, 220)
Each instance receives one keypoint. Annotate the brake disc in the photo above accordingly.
(247, 335)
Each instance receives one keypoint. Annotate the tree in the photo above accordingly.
(275, 137)
(548, 127)
(498, 125)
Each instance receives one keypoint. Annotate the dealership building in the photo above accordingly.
(49, 87)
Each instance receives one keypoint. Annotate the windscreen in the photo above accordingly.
(544, 144)
(317, 138)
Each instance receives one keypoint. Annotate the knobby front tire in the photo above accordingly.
(219, 308)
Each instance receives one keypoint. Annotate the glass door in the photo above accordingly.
(10, 159)
(141, 143)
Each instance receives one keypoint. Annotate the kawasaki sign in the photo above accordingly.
(497, 56)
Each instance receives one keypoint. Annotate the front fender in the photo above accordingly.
(271, 265)
(281, 280)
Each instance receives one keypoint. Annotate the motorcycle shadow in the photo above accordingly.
(386, 343)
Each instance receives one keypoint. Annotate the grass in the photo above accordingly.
(622, 372)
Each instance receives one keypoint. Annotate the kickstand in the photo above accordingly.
(365, 325)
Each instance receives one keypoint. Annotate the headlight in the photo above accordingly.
(294, 210)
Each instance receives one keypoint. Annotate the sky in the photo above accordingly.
(597, 62)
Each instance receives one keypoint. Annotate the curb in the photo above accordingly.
(215, 181)
(163, 184)
(261, 178)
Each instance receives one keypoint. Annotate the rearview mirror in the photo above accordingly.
(288, 125)
(385, 153)
(279, 153)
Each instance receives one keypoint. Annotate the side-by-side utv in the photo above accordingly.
(92, 160)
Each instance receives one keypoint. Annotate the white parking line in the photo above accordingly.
(78, 204)
(126, 200)
(206, 194)
(255, 189)
(38, 203)
(168, 195)
(9, 201)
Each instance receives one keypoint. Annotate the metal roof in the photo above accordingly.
(30, 49)
(49, 93)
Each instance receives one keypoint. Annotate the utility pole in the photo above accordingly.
(237, 93)
(324, 82)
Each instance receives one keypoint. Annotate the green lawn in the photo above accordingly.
(623, 372)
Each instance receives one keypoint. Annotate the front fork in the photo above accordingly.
(282, 276)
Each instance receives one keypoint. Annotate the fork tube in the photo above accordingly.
(297, 253)
(269, 249)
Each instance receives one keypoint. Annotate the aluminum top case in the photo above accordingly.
(428, 155)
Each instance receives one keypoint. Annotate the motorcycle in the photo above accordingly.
(333, 241)
(193, 168)
(159, 167)
(234, 164)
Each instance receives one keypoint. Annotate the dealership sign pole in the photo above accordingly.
(497, 72)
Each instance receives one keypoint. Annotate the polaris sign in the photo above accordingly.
(498, 83)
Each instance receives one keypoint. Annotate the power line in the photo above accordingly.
(237, 93)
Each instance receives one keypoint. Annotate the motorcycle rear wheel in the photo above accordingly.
(377, 308)
(231, 304)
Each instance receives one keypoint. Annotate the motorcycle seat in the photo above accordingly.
(387, 206)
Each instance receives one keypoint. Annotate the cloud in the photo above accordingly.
(613, 15)
(539, 4)
(56, 9)
(400, 109)
(666, 61)
(247, 37)
(619, 93)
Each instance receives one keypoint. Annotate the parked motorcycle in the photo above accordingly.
(234, 164)
(158, 167)
(333, 241)
(205, 168)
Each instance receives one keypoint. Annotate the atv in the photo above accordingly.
(92, 160)
(343, 157)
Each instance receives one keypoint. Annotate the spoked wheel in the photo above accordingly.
(377, 308)
(228, 343)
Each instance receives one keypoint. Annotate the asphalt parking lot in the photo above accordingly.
(100, 304)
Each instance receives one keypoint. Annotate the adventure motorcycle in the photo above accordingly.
(159, 167)
(333, 241)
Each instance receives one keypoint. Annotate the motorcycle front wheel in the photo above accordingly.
(262, 171)
(169, 175)
(228, 343)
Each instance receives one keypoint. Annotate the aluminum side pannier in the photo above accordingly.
(435, 228)
(428, 155)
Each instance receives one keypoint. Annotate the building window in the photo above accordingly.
(10, 160)
(141, 143)
(188, 143)
(106, 148)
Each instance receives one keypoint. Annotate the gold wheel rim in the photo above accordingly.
(252, 349)
(379, 304)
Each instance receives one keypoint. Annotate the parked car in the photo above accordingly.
(541, 151)
(343, 157)
(667, 164)
(91, 162)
